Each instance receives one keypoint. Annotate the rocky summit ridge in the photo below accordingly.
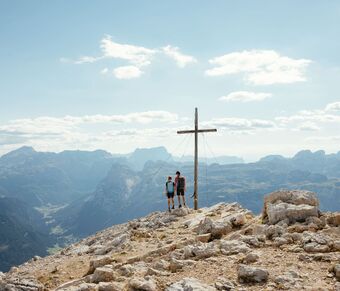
(291, 246)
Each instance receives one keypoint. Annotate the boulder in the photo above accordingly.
(204, 237)
(103, 274)
(336, 246)
(110, 286)
(223, 284)
(126, 270)
(162, 265)
(336, 271)
(216, 228)
(247, 274)
(99, 262)
(333, 219)
(140, 284)
(287, 281)
(314, 247)
(290, 205)
(253, 241)
(250, 258)
(176, 265)
(183, 211)
(296, 197)
(231, 247)
(190, 284)
(273, 231)
(201, 251)
(317, 243)
(23, 284)
(238, 219)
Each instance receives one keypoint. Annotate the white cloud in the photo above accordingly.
(89, 131)
(47, 125)
(308, 126)
(335, 106)
(261, 67)
(245, 96)
(326, 115)
(240, 124)
(86, 59)
(180, 59)
(137, 55)
(127, 72)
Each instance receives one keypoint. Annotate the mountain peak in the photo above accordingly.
(22, 151)
(186, 250)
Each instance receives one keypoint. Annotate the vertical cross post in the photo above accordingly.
(196, 162)
(196, 131)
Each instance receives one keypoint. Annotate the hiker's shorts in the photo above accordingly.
(170, 195)
(180, 192)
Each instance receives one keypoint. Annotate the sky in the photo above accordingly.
(120, 75)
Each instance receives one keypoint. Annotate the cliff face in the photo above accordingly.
(292, 246)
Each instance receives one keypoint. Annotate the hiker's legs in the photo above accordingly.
(179, 200)
(183, 197)
(173, 202)
(169, 202)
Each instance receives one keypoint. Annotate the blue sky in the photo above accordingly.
(124, 74)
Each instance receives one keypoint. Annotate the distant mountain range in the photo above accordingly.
(51, 199)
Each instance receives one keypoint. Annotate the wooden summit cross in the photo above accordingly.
(196, 131)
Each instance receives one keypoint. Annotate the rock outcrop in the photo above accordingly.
(223, 247)
(290, 206)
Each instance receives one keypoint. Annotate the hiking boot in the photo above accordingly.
(173, 207)
(169, 209)
(180, 206)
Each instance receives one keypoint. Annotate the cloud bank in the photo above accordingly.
(245, 96)
(260, 67)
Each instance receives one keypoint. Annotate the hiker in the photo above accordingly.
(170, 192)
(181, 188)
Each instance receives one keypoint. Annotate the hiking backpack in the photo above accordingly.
(181, 183)
(170, 187)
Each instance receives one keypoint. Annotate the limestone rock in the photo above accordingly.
(183, 211)
(216, 228)
(110, 286)
(333, 219)
(247, 274)
(204, 237)
(140, 284)
(314, 247)
(336, 270)
(103, 274)
(287, 281)
(274, 231)
(252, 240)
(238, 219)
(190, 284)
(290, 205)
(162, 265)
(24, 284)
(336, 246)
(223, 284)
(231, 247)
(126, 270)
(317, 243)
(99, 262)
(201, 251)
(176, 265)
(250, 258)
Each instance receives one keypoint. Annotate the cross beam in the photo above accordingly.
(196, 131)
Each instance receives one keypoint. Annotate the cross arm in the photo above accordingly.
(199, 131)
